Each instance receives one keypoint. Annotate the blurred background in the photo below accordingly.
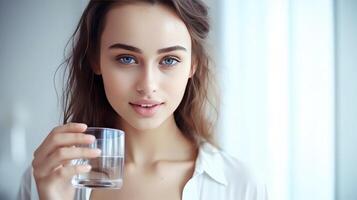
(288, 76)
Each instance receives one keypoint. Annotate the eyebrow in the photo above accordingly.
(137, 50)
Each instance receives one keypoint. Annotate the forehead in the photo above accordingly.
(146, 26)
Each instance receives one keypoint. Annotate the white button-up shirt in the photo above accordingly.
(217, 176)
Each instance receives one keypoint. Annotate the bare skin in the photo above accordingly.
(161, 181)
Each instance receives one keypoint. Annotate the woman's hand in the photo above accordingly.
(52, 167)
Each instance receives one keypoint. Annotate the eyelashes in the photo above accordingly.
(126, 59)
(170, 61)
(167, 61)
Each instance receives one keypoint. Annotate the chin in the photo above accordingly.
(146, 125)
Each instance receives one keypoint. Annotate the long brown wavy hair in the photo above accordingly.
(84, 99)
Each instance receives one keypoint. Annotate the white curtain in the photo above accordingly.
(276, 64)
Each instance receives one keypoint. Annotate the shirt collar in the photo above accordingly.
(210, 161)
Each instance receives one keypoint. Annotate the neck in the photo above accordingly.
(166, 143)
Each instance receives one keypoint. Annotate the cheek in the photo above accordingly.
(176, 88)
(177, 83)
(116, 87)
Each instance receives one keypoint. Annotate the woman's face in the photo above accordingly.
(145, 62)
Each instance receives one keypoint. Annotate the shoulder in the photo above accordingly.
(242, 179)
(237, 178)
(237, 170)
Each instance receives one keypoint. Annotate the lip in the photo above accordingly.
(144, 101)
(146, 111)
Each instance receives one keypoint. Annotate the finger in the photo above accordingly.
(70, 127)
(55, 141)
(60, 156)
(67, 163)
(67, 172)
(67, 128)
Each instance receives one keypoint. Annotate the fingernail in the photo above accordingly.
(83, 126)
(87, 167)
(97, 151)
(90, 137)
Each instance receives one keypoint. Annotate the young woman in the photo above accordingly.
(141, 66)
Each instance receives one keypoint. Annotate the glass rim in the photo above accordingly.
(104, 128)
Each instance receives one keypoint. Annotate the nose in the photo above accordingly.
(147, 81)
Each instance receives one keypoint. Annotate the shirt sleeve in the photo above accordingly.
(254, 188)
(259, 193)
(27, 189)
(244, 184)
(263, 193)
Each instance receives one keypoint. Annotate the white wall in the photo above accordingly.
(346, 99)
(33, 35)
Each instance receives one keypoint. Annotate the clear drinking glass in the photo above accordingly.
(107, 169)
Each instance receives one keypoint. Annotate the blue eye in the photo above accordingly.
(170, 61)
(126, 60)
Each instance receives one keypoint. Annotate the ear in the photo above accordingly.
(96, 70)
(193, 68)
